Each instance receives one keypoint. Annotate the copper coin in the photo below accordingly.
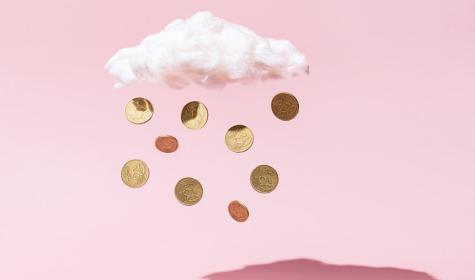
(166, 143)
(285, 106)
(238, 211)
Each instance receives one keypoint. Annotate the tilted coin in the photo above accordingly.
(238, 211)
(166, 143)
(264, 179)
(188, 191)
(194, 115)
(285, 106)
(135, 173)
(139, 110)
(239, 138)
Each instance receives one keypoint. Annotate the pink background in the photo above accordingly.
(377, 169)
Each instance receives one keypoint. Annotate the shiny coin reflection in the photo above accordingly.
(239, 138)
(238, 211)
(194, 115)
(135, 173)
(285, 106)
(188, 191)
(139, 110)
(264, 179)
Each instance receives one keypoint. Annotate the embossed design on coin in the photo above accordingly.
(264, 179)
(135, 173)
(139, 110)
(238, 211)
(166, 143)
(239, 138)
(188, 191)
(194, 115)
(285, 106)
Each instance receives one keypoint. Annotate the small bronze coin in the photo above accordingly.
(139, 110)
(135, 173)
(188, 191)
(238, 211)
(264, 179)
(239, 138)
(194, 115)
(285, 106)
(166, 143)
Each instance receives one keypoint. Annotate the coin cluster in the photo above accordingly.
(238, 138)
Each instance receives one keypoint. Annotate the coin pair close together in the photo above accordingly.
(238, 138)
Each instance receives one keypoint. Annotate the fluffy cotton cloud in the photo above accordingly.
(208, 51)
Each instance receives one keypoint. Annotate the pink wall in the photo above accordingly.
(377, 169)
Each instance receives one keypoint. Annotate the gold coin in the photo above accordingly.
(285, 106)
(264, 179)
(238, 211)
(194, 115)
(139, 110)
(188, 191)
(239, 138)
(135, 173)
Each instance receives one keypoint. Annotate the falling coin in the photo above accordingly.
(139, 110)
(135, 173)
(239, 138)
(188, 191)
(194, 115)
(264, 179)
(285, 106)
(238, 211)
(166, 143)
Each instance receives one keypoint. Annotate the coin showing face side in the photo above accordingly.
(285, 106)
(166, 143)
(135, 173)
(194, 115)
(238, 211)
(239, 138)
(139, 110)
(264, 179)
(188, 191)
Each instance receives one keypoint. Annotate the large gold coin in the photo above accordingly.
(285, 106)
(194, 115)
(188, 191)
(238, 211)
(139, 110)
(264, 179)
(239, 138)
(135, 173)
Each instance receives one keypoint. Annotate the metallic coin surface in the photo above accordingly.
(135, 173)
(238, 211)
(239, 138)
(139, 110)
(194, 115)
(285, 106)
(166, 143)
(264, 179)
(188, 191)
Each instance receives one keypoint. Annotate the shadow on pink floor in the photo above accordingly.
(305, 269)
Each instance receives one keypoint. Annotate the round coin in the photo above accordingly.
(238, 211)
(194, 115)
(135, 173)
(188, 191)
(285, 106)
(139, 110)
(166, 143)
(264, 179)
(239, 138)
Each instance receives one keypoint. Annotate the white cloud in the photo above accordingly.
(208, 51)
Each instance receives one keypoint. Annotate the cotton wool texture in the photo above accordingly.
(208, 51)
